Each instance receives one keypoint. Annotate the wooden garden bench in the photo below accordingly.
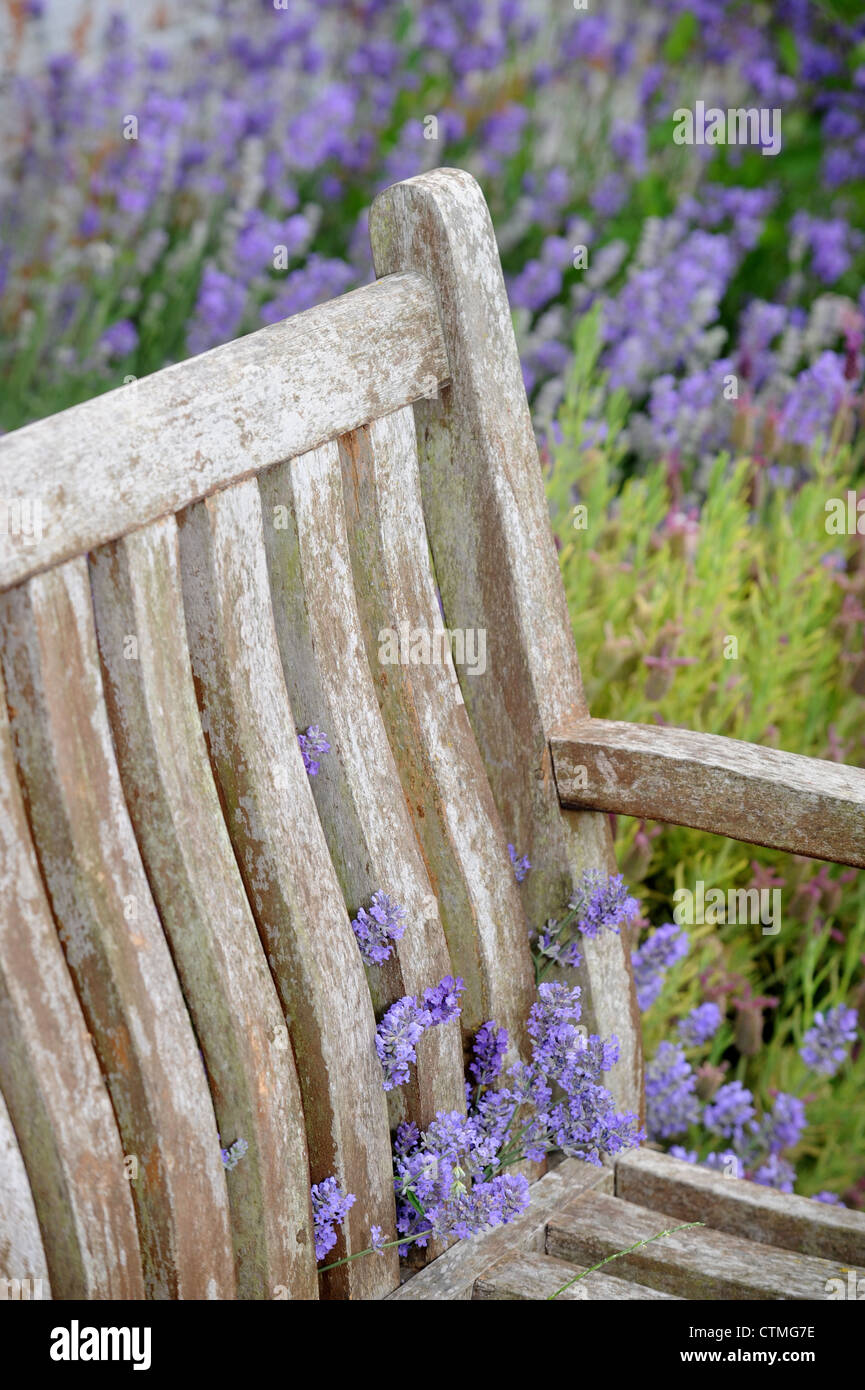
(214, 552)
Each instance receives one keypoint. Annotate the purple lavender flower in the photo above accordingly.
(405, 1023)
(397, 1037)
(826, 1044)
(686, 1155)
(329, 1209)
(785, 1126)
(489, 1047)
(831, 241)
(376, 1239)
(776, 1172)
(234, 1153)
(671, 1105)
(813, 405)
(521, 866)
(377, 927)
(120, 339)
(628, 143)
(727, 1162)
(830, 1198)
(218, 311)
(442, 1001)
(700, 1025)
(654, 958)
(312, 744)
(730, 1110)
(449, 1180)
(318, 279)
(601, 902)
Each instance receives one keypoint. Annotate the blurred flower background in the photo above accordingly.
(691, 323)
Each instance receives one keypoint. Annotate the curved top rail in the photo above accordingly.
(103, 468)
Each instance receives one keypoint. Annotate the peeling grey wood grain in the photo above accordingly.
(443, 778)
(112, 936)
(52, 1083)
(530, 1276)
(156, 445)
(194, 877)
(760, 795)
(22, 1255)
(697, 1263)
(357, 791)
(453, 1274)
(283, 857)
(496, 566)
(741, 1208)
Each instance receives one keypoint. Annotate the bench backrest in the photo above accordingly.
(227, 552)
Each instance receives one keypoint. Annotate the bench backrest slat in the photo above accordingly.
(282, 853)
(202, 902)
(443, 778)
(20, 1237)
(125, 977)
(488, 525)
(52, 1083)
(360, 802)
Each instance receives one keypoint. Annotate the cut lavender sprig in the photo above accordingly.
(234, 1153)
(377, 927)
(312, 745)
(521, 865)
(405, 1023)
(600, 902)
(330, 1207)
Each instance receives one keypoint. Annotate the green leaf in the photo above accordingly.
(681, 37)
(788, 51)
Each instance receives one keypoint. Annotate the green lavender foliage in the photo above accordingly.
(755, 567)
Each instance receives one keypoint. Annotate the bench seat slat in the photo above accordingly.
(291, 885)
(698, 1263)
(741, 1208)
(194, 877)
(442, 775)
(151, 447)
(760, 795)
(112, 935)
(532, 1276)
(357, 791)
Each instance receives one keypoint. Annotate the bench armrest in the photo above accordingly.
(763, 796)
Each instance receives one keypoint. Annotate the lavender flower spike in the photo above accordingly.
(671, 1105)
(521, 865)
(700, 1025)
(377, 927)
(397, 1037)
(489, 1048)
(443, 1000)
(405, 1023)
(602, 903)
(653, 959)
(329, 1209)
(234, 1153)
(825, 1045)
(312, 744)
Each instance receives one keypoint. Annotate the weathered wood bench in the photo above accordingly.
(218, 549)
